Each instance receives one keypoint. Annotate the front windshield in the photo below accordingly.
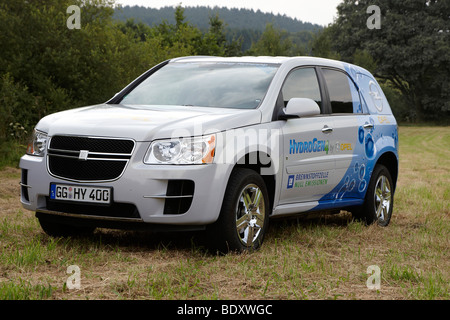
(221, 85)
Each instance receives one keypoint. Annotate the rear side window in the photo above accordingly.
(302, 83)
(343, 94)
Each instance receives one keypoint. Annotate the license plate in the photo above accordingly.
(80, 193)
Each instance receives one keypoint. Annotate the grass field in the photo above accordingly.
(316, 258)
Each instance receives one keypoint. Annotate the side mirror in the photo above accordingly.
(300, 107)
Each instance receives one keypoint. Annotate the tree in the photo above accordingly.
(215, 41)
(46, 67)
(322, 45)
(181, 38)
(411, 49)
(273, 42)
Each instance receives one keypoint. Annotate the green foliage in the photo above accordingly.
(398, 103)
(12, 97)
(411, 49)
(46, 67)
(241, 27)
(214, 41)
(24, 290)
(273, 42)
(241, 19)
(50, 67)
(321, 45)
(10, 153)
(363, 59)
(279, 42)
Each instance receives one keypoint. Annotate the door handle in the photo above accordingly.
(327, 130)
(368, 126)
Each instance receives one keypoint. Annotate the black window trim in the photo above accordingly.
(323, 84)
(117, 99)
(279, 105)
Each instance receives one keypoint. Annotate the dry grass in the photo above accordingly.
(316, 258)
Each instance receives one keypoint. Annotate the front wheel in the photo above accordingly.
(244, 216)
(379, 200)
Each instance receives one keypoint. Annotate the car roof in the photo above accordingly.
(301, 60)
(289, 62)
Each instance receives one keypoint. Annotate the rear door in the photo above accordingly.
(351, 131)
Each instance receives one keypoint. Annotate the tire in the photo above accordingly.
(55, 229)
(379, 199)
(244, 216)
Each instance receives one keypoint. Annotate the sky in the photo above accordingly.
(320, 12)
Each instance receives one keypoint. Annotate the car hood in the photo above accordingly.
(146, 123)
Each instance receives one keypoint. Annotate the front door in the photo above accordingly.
(308, 159)
(308, 168)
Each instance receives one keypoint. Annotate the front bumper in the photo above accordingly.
(143, 186)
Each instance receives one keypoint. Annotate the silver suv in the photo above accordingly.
(218, 144)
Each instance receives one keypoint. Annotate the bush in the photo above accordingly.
(46, 67)
(13, 98)
(399, 105)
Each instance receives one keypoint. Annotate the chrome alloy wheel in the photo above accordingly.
(250, 214)
(382, 198)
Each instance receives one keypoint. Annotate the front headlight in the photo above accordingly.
(197, 150)
(37, 144)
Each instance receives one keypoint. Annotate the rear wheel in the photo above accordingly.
(379, 200)
(244, 216)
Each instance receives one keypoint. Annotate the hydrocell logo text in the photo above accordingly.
(308, 146)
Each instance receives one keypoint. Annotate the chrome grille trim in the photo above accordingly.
(94, 160)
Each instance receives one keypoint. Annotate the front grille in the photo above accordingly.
(116, 210)
(88, 159)
(95, 170)
(101, 145)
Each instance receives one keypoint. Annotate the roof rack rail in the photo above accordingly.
(191, 57)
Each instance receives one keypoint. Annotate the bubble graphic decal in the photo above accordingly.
(361, 134)
(362, 185)
(362, 172)
(341, 192)
(356, 167)
(352, 185)
(369, 145)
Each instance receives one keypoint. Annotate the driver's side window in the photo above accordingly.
(302, 83)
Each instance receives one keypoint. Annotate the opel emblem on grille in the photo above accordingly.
(83, 154)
